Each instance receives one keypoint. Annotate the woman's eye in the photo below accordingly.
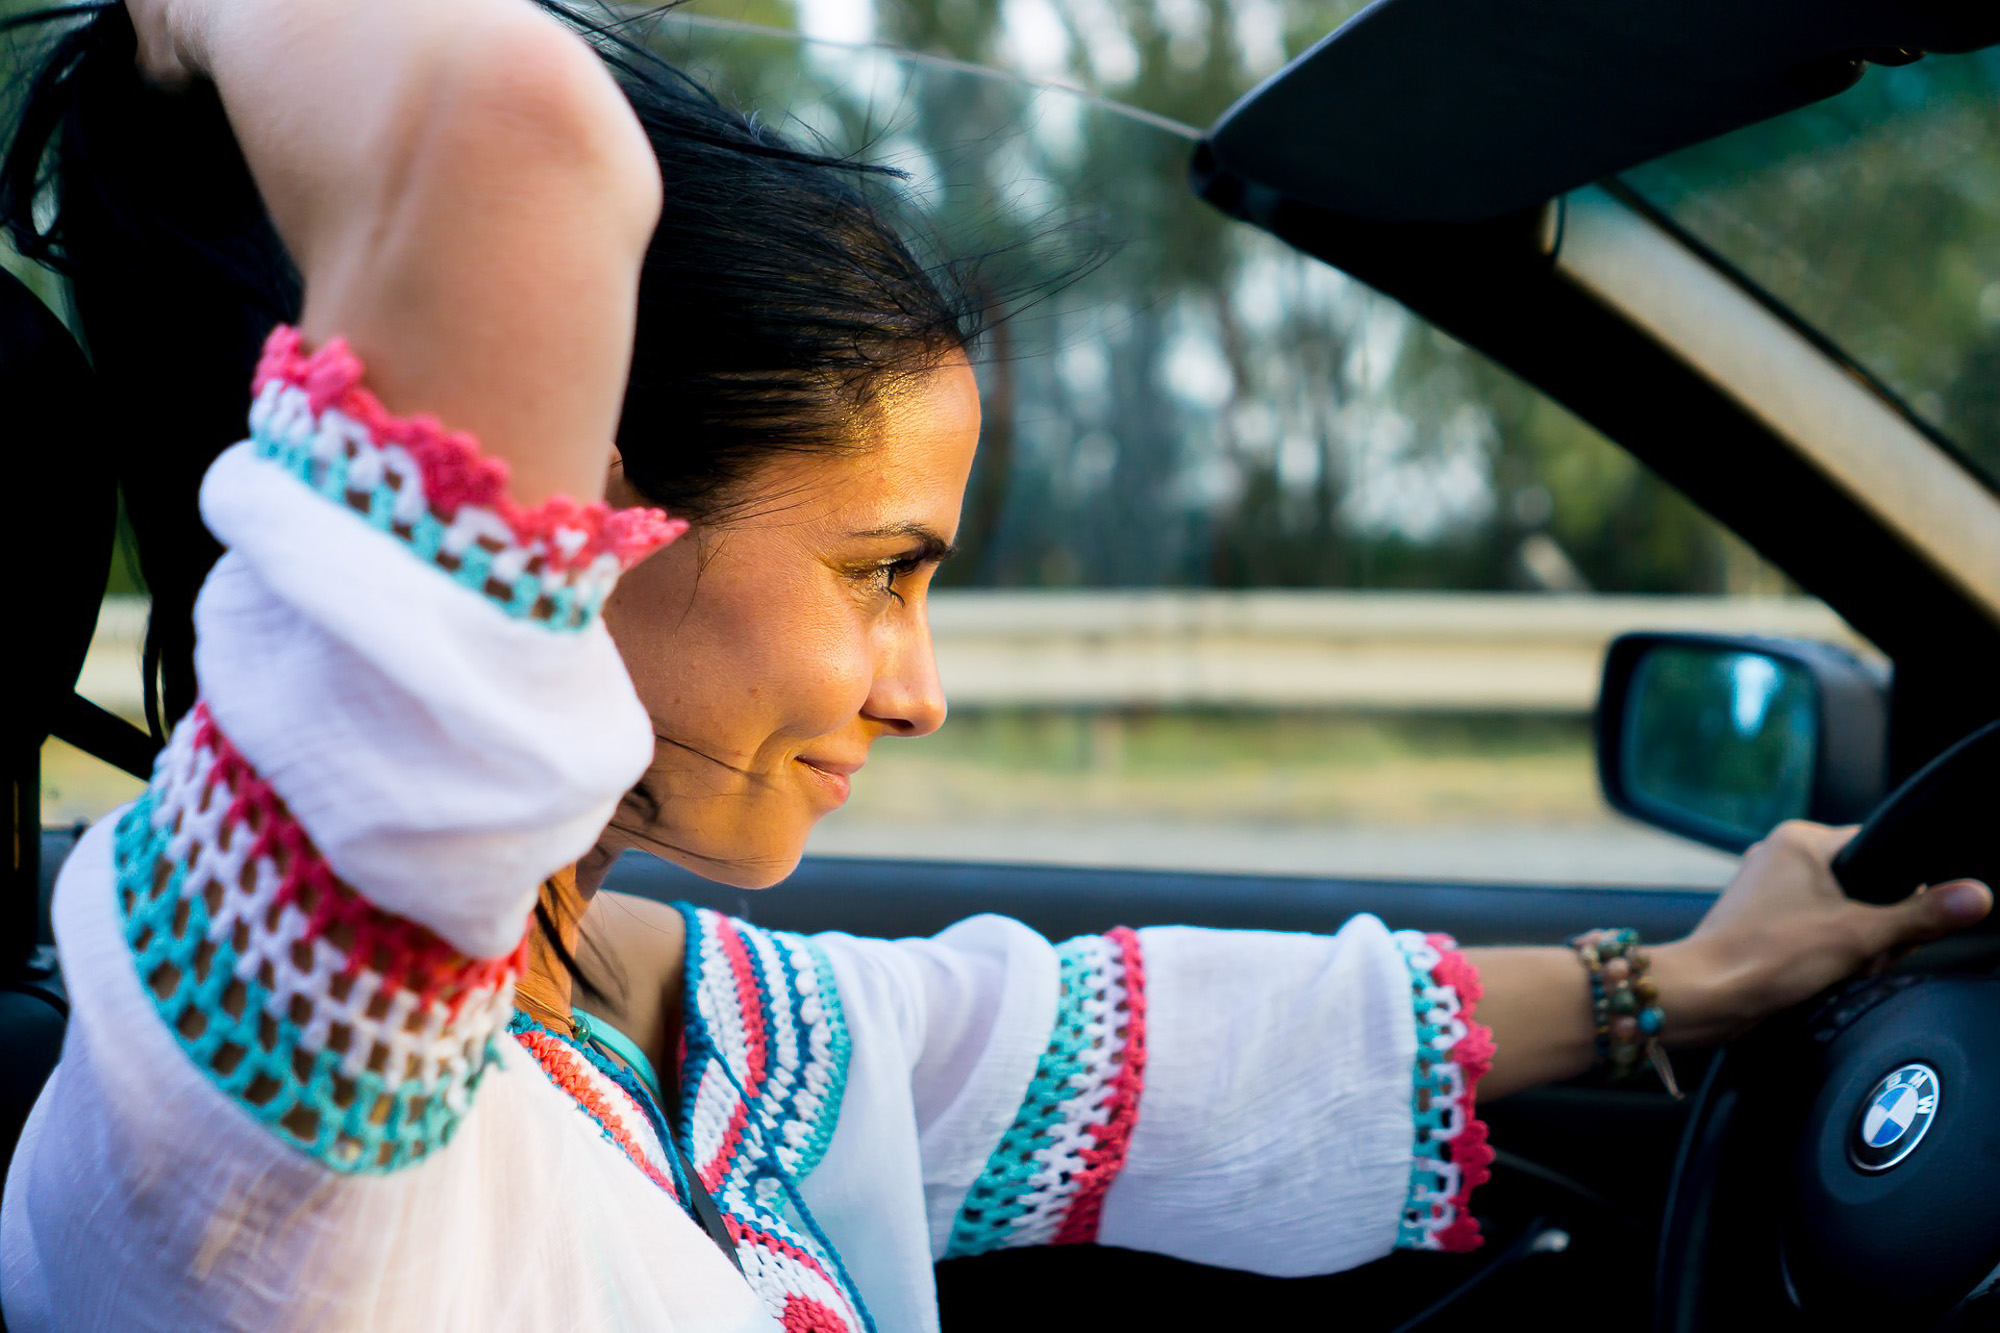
(884, 575)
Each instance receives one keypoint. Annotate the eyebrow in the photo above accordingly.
(930, 546)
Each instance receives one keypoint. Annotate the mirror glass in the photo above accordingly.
(1720, 741)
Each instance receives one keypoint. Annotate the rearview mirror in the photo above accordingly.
(1721, 738)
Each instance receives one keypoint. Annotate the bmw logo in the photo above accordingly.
(1895, 1117)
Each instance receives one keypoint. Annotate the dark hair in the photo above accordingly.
(776, 301)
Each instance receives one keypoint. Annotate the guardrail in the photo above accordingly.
(1442, 652)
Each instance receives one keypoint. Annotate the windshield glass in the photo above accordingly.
(1257, 571)
(1875, 217)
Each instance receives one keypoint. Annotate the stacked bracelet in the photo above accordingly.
(1624, 1003)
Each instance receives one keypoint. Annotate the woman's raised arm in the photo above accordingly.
(466, 193)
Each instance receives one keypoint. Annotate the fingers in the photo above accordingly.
(1957, 904)
(1925, 915)
(1820, 842)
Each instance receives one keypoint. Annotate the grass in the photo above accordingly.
(1235, 767)
(1316, 769)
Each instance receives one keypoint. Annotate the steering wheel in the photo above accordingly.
(1841, 1163)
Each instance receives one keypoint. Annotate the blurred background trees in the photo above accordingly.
(1174, 400)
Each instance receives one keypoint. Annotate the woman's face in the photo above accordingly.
(774, 648)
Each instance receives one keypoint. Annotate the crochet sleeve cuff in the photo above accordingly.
(1237, 1098)
(410, 717)
(356, 1036)
(412, 662)
(1046, 1180)
(431, 489)
(1450, 1156)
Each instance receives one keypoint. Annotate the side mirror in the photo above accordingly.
(1720, 738)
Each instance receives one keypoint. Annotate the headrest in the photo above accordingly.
(64, 502)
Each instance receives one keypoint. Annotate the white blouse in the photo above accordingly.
(294, 1093)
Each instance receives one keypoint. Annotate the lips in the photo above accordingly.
(832, 776)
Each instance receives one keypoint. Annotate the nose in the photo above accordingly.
(907, 692)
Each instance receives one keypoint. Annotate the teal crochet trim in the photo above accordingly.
(425, 536)
(254, 1059)
(1003, 1193)
(773, 987)
(1428, 1152)
(757, 1188)
(840, 1050)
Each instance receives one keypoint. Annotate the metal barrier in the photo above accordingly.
(1439, 652)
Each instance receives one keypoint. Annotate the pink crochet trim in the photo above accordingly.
(1470, 1151)
(402, 952)
(1104, 1160)
(559, 1063)
(805, 1315)
(744, 1232)
(756, 1053)
(717, 1167)
(455, 473)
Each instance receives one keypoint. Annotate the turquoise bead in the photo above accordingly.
(1649, 1021)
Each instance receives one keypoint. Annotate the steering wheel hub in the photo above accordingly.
(1875, 1225)
(1894, 1118)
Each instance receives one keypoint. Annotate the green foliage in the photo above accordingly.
(1876, 218)
(1205, 408)
(1179, 401)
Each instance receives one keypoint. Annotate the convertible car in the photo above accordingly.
(1535, 183)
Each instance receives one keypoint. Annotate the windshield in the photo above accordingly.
(1257, 571)
(1875, 217)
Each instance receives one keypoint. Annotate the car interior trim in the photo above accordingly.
(1814, 406)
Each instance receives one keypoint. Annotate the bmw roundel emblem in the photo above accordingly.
(1895, 1117)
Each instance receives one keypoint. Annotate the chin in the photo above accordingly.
(748, 868)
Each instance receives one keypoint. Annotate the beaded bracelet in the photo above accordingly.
(1624, 1003)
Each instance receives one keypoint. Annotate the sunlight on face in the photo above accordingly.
(773, 649)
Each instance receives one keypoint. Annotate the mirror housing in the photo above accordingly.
(1720, 737)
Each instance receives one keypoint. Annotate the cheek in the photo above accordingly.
(795, 675)
(735, 663)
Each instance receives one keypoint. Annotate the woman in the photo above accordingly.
(328, 1065)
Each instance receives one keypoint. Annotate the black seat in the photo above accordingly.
(62, 530)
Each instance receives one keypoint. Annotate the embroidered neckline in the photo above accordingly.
(763, 1071)
(558, 1054)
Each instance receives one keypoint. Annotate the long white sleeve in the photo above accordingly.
(283, 1100)
(1278, 1103)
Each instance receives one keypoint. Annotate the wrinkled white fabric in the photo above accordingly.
(446, 756)
(143, 1198)
(1273, 1133)
(1277, 1088)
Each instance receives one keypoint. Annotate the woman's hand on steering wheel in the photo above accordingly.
(1783, 931)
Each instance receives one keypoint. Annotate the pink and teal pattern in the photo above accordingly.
(432, 489)
(1045, 1184)
(622, 1110)
(357, 1037)
(1450, 1156)
(761, 1083)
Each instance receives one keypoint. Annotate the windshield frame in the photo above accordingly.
(1822, 342)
